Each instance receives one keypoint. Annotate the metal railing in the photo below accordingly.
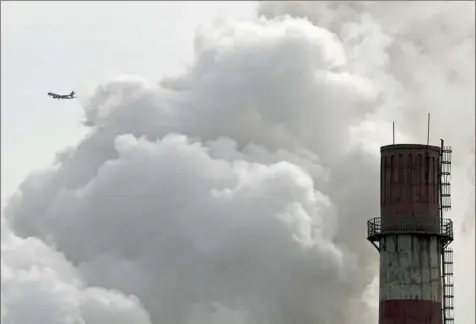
(409, 225)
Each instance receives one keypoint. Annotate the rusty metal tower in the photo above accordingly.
(412, 237)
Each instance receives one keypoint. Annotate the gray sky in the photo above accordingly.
(63, 46)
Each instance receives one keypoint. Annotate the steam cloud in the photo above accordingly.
(238, 191)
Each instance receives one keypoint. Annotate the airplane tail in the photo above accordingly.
(72, 93)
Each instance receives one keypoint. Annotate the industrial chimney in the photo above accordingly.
(412, 237)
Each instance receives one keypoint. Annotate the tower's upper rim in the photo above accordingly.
(396, 147)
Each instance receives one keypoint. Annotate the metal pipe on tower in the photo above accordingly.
(412, 236)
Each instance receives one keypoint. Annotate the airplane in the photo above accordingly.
(57, 96)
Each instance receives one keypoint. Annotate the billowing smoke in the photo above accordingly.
(40, 286)
(238, 191)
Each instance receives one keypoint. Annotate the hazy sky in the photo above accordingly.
(63, 46)
(264, 127)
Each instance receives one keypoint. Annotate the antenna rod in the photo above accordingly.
(393, 125)
(428, 133)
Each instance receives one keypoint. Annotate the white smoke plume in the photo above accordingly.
(239, 190)
(40, 286)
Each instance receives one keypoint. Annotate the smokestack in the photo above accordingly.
(412, 237)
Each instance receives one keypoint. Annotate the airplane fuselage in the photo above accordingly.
(58, 96)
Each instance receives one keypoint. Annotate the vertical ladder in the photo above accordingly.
(445, 174)
(448, 287)
(446, 253)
